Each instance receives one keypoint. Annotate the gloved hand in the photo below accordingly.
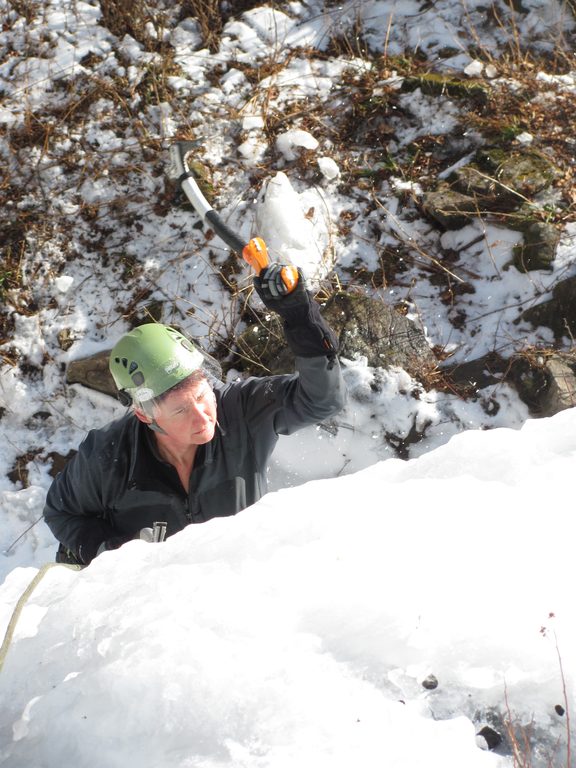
(306, 331)
(277, 281)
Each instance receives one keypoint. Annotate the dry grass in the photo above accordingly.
(523, 740)
(27, 9)
(130, 17)
(212, 15)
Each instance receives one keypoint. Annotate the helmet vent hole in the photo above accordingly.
(133, 367)
(138, 379)
(125, 362)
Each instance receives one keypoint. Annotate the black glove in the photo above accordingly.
(276, 281)
(306, 331)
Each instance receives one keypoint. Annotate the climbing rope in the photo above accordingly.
(22, 602)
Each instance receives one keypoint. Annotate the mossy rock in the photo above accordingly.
(527, 173)
(450, 208)
(368, 327)
(472, 180)
(538, 250)
(503, 181)
(478, 373)
(489, 159)
(365, 327)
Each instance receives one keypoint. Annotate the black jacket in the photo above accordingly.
(118, 484)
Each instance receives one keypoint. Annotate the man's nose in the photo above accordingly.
(199, 410)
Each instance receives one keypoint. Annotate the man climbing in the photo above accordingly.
(190, 448)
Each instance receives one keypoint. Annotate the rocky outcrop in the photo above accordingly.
(499, 182)
(545, 380)
(559, 312)
(370, 328)
(365, 327)
(504, 181)
(450, 208)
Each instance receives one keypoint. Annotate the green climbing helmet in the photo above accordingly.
(151, 359)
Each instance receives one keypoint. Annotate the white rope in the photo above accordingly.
(22, 602)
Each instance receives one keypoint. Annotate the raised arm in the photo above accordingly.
(318, 391)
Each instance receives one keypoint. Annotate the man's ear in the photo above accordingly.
(141, 416)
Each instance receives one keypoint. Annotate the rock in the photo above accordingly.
(483, 188)
(502, 181)
(561, 391)
(430, 682)
(450, 208)
(479, 373)
(526, 173)
(528, 376)
(545, 381)
(368, 327)
(559, 312)
(496, 182)
(488, 738)
(538, 250)
(93, 373)
(365, 327)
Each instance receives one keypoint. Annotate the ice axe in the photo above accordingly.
(254, 251)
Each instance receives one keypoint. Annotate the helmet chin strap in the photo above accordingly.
(155, 427)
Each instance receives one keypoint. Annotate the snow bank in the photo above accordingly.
(300, 631)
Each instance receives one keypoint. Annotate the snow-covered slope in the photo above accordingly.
(301, 630)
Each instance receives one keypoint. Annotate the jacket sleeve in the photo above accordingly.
(74, 510)
(314, 394)
(280, 405)
(317, 390)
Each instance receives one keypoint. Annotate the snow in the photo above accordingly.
(301, 630)
(288, 141)
(293, 236)
(328, 168)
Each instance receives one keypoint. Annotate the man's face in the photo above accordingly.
(187, 415)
